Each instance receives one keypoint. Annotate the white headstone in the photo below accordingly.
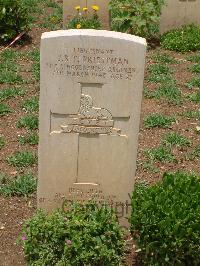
(90, 99)
(176, 13)
(69, 10)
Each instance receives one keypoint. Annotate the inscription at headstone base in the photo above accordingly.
(69, 10)
(90, 99)
(176, 13)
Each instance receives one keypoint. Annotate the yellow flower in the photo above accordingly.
(78, 26)
(77, 8)
(85, 9)
(95, 8)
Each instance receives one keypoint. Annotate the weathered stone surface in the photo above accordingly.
(176, 13)
(69, 10)
(90, 98)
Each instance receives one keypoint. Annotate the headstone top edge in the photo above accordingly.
(93, 33)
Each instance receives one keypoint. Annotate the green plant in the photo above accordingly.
(175, 139)
(8, 68)
(11, 92)
(161, 78)
(158, 120)
(164, 59)
(158, 69)
(22, 159)
(192, 114)
(195, 68)
(195, 82)
(4, 109)
(53, 21)
(14, 18)
(194, 58)
(136, 17)
(31, 105)
(161, 154)
(2, 142)
(165, 220)
(29, 122)
(84, 20)
(170, 92)
(85, 234)
(195, 153)
(195, 97)
(184, 39)
(31, 138)
(22, 185)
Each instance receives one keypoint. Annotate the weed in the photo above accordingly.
(11, 92)
(5, 109)
(161, 78)
(182, 40)
(169, 92)
(31, 139)
(158, 120)
(195, 82)
(194, 58)
(34, 55)
(195, 69)
(29, 122)
(164, 58)
(31, 105)
(160, 69)
(161, 154)
(195, 97)
(53, 21)
(194, 154)
(22, 159)
(22, 185)
(192, 114)
(2, 142)
(149, 167)
(9, 69)
(175, 139)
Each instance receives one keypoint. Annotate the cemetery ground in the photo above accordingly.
(168, 138)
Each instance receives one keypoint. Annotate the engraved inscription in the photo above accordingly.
(92, 62)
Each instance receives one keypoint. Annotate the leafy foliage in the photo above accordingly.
(81, 235)
(85, 21)
(29, 121)
(31, 138)
(195, 82)
(175, 139)
(161, 154)
(184, 39)
(158, 120)
(164, 58)
(166, 91)
(4, 109)
(2, 142)
(136, 17)
(192, 114)
(22, 159)
(31, 105)
(11, 92)
(165, 220)
(22, 185)
(195, 97)
(158, 69)
(14, 18)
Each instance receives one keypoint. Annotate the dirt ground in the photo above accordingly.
(15, 210)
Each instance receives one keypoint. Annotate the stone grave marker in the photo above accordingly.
(176, 13)
(69, 10)
(90, 99)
